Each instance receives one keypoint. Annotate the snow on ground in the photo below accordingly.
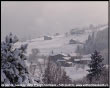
(76, 72)
(58, 44)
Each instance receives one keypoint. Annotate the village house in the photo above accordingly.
(47, 38)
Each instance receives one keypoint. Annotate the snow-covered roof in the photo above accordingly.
(61, 60)
(69, 62)
(67, 58)
(63, 54)
(82, 59)
(77, 59)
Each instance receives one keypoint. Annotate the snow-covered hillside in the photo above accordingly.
(58, 43)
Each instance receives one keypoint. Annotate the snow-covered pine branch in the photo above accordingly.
(13, 68)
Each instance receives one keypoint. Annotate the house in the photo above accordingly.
(74, 42)
(76, 31)
(47, 38)
(65, 60)
(74, 56)
(61, 59)
(68, 64)
(84, 60)
(61, 62)
(56, 57)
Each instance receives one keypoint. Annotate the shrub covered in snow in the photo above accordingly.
(13, 68)
(95, 66)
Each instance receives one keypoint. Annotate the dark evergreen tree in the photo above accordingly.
(95, 66)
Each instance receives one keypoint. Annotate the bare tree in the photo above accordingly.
(54, 74)
(33, 56)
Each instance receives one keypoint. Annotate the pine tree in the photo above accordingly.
(13, 68)
(96, 66)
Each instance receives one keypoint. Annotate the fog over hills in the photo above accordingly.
(31, 19)
(54, 43)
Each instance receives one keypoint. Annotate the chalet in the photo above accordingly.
(75, 56)
(74, 42)
(56, 57)
(61, 62)
(83, 60)
(69, 64)
(77, 31)
(47, 38)
(67, 58)
(60, 59)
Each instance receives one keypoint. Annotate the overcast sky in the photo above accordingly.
(32, 18)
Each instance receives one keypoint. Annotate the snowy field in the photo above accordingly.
(60, 44)
(76, 72)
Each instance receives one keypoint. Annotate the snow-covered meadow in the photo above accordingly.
(60, 44)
